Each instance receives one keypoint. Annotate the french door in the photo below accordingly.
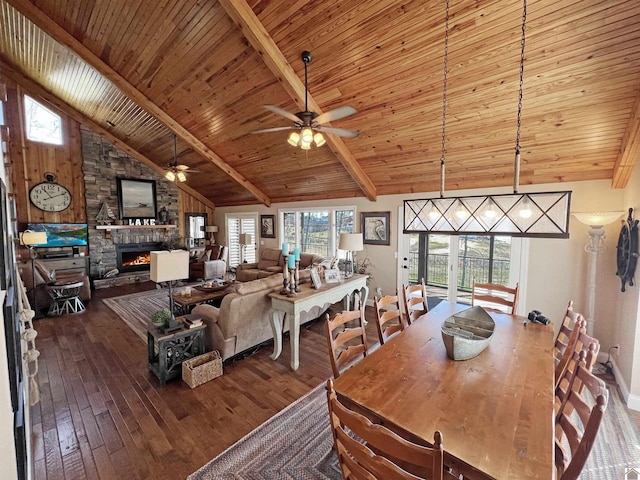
(450, 263)
(238, 224)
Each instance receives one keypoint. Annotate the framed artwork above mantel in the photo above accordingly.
(137, 198)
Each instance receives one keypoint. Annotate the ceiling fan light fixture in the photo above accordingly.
(305, 145)
(319, 139)
(306, 134)
(182, 177)
(293, 139)
(170, 176)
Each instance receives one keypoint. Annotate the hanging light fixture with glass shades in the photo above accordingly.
(539, 214)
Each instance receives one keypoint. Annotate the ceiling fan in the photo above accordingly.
(309, 122)
(176, 170)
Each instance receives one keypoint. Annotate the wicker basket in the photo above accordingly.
(202, 368)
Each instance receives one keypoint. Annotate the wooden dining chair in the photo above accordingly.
(564, 333)
(346, 343)
(503, 298)
(388, 317)
(381, 453)
(415, 300)
(577, 423)
(583, 343)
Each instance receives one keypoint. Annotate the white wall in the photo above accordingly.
(557, 268)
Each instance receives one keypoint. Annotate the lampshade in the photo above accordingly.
(351, 242)
(246, 239)
(597, 219)
(211, 229)
(29, 238)
(169, 265)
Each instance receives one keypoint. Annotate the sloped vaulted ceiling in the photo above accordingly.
(203, 69)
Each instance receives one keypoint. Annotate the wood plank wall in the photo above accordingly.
(29, 161)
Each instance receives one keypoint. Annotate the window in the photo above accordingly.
(237, 224)
(41, 124)
(316, 230)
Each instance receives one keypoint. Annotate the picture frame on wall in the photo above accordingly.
(137, 198)
(375, 227)
(268, 226)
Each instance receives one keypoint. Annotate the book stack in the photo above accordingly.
(192, 321)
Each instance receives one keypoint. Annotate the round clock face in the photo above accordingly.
(50, 197)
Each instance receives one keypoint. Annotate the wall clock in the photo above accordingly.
(627, 255)
(49, 195)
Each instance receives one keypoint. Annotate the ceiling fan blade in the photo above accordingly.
(340, 132)
(274, 129)
(335, 114)
(281, 111)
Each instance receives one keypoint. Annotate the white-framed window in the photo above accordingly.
(41, 124)
(316, 230)
(237, 224)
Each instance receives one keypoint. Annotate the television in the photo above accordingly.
(62, 234)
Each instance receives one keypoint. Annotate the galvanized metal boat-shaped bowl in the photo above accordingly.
(467, 333)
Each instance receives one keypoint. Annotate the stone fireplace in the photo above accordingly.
(134, 257)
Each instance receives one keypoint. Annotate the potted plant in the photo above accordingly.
(161, 318)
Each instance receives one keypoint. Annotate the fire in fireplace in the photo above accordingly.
(135, 257)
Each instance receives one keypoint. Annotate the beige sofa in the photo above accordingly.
(271, 262)
(243, 319)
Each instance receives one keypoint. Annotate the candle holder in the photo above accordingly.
(285, 277)
(292, 283)
(297, 276)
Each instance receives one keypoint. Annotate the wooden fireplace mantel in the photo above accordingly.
(108, 228)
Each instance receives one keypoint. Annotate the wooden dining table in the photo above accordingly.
(495, 411)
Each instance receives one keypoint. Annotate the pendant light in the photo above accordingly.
(540, 214)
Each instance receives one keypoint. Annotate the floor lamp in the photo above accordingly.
(351, 242)
(167, 266)
(245, 239)
(30, 239)
(596, 221)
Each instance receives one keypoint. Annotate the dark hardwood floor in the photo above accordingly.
(102, 414)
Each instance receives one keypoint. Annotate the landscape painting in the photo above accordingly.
(137, 198)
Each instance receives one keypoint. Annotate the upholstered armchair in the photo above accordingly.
(212, 263)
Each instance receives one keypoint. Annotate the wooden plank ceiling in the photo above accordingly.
(203, 70)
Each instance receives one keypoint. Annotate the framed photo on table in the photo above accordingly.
(315, 278)
(375, 228)
(332, 275)
(268, 226)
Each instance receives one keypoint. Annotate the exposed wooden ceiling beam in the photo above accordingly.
(242, 14)
(39, 18)
(49, 97)
(629, 148)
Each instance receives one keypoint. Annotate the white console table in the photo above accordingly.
(303, 302)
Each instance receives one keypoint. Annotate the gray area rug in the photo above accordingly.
(296, 444)
(136, 309)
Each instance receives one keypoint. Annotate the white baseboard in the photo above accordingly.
(632, 401)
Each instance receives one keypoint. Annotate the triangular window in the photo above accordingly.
(41, 124)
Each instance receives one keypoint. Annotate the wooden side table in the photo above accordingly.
(167, 351)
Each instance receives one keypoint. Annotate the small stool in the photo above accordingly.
(65, 298)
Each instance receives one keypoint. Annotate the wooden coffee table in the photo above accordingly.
(184, 305)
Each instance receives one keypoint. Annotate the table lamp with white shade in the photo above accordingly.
(211, 230)
(168, 266)
(30, 239)
(350, 242)
(596, 221)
